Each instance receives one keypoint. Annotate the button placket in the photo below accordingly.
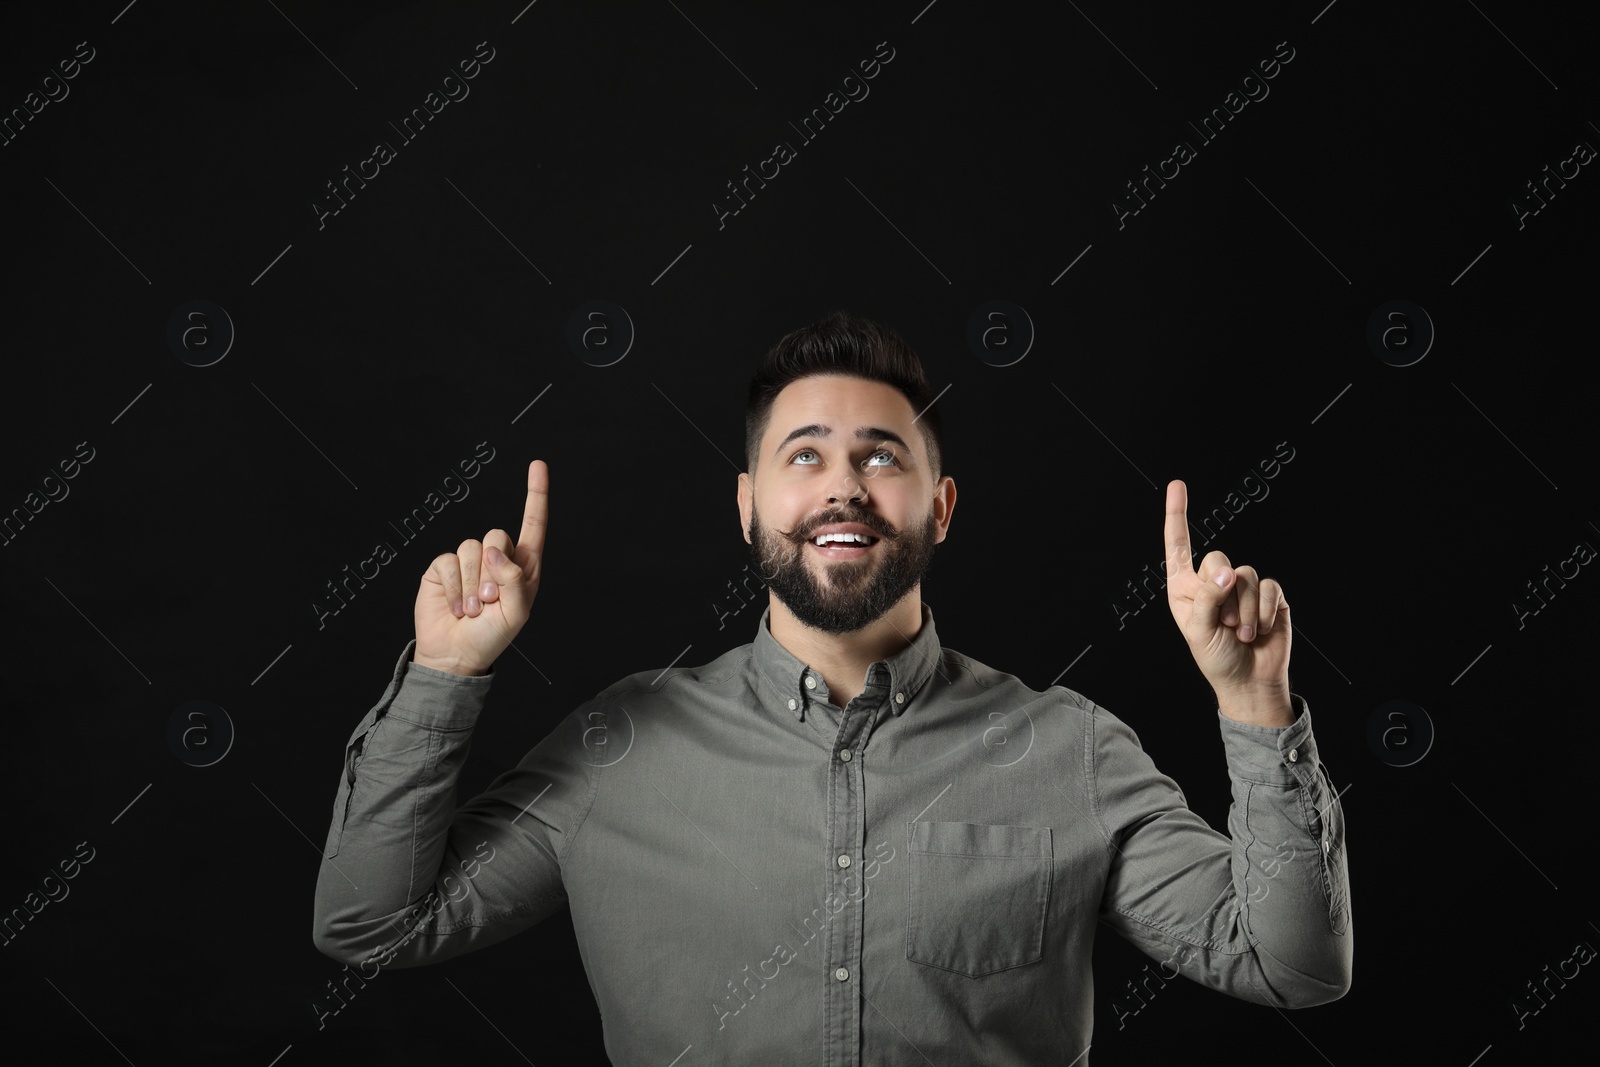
(846, 834)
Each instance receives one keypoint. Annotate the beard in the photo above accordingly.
(851, 594)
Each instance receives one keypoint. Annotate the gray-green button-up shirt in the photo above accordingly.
(757, 876)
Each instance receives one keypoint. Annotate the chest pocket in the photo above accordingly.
(979, 895)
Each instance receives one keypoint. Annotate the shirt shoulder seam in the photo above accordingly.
(1091, 775)
(592, 773)
(627, 685)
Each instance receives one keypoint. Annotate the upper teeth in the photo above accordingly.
(823, 539)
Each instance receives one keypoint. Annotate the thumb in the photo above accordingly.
(1208, 600)
(508, 576)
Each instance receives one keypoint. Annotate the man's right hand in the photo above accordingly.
(472, 602)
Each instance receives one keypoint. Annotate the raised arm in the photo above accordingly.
(1262, 913)
(407, 877)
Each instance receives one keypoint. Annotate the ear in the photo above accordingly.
(944, 505)
(746, 501)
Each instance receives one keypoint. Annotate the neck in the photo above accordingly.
(843, 659)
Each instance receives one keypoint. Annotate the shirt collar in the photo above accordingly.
(902, 674)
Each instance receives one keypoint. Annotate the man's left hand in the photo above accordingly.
(1239, 631)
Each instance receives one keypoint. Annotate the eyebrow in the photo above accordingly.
(863, 433)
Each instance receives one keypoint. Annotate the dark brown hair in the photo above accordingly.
(843, 343)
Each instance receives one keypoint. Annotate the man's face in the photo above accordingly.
(818, 479)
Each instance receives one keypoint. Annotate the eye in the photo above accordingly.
(893, 460)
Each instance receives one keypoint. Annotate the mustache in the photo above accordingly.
(881, 529)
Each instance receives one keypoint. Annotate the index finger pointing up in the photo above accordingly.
(1177, 529)
(536, 514)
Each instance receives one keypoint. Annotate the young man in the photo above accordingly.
(841, 843)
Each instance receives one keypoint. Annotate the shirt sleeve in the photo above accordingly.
(407, 878)
(1262, 913)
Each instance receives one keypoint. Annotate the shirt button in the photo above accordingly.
(844, 861)
(811, 683)
(844, 754)
(792, 704)
(843, 974)
(899, 698)
(1294, 754)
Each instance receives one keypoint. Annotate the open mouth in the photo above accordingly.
(846, 546)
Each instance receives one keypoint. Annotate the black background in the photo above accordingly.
(376, 351)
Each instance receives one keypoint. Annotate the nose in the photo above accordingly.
(857, 491)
